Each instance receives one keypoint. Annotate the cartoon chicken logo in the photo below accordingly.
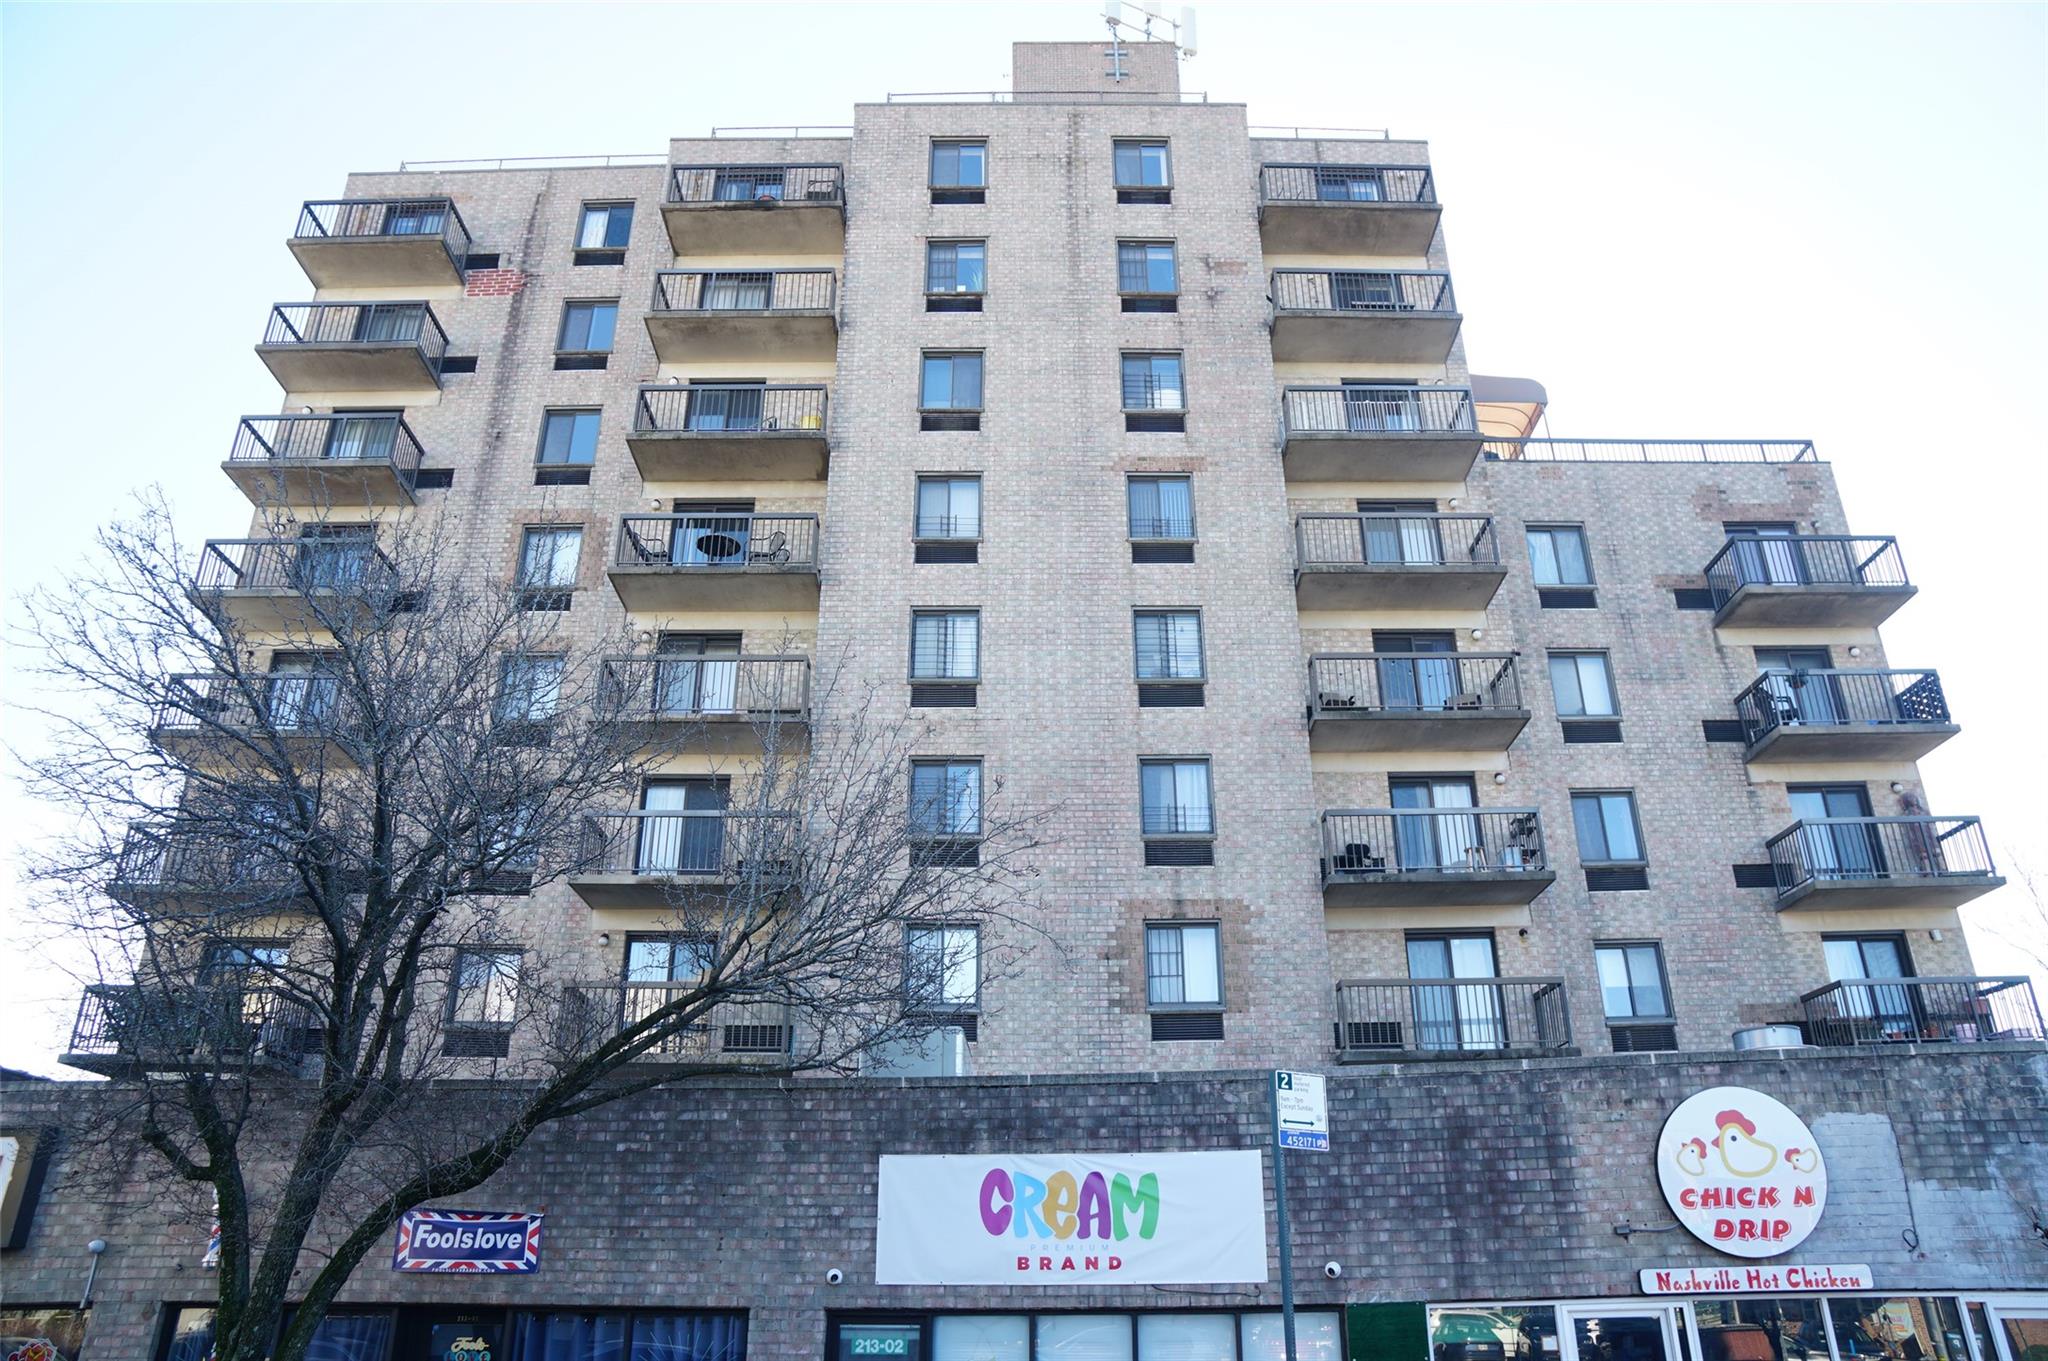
(1741, 1172)
(1743, 1154)
(1692, 1157)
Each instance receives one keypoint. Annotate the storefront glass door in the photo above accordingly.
(1604, 1334)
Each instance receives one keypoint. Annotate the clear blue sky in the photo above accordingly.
(1820, 221)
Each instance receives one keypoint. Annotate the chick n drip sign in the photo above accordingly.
(1741, 1172)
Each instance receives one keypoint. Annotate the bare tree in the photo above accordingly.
(313, 784)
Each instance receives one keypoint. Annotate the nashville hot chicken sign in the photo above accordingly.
(1741, 1172)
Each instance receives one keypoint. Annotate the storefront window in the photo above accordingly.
(1083, 1337)
(605, 1337)
(1187, 1337)
(1911, 1328)
(191, 1336)
(351, 1337)
(61, 1331)
(1316, 1337)
(2026, 1338)
(1761, 1329)
(982, 1337)
(1514, 1332)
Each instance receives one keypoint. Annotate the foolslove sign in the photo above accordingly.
(1071, 1219)
(1741, 1172)
(467, 1240)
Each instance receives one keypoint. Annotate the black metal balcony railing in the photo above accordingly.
(709, 843)
(220, 1022)
(706, 687)
(1346, 184)
(703, 542)
(395, 324)
(1341, 684)
(1650, 450)
(1803, 560)
(304, 565)
(284, 703)
(329, 438)
(1452, 1016)
(729, 408)
(185, 858)
(1844, 850)
(1363, 842)
(737, 1032)
(1405, 540)
(1786, 699)
(1357, 409)
(1943, 1010)
(357, 219)
(744, 290)
(1363, 290)
(747, 184)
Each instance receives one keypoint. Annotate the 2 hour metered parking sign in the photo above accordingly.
(1303, 1110)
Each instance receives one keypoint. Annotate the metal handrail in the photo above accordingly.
(364, 219)
(1373, 842)
(188, 856)
(1325, 539)
(729, 1031)
(294, 565)
(329, 437)
(712, 541)
(1346, 684)
(359, 323)
(213, 1021)
(814, 184)
(1956, 1009)
(730, 408)
(282, 702)
(1804, 560)
(1425, 291)
(1862, 850)
(695, 686)
(779, 290)
(1452, 1015)
(1390, 409)
(675, 842)
(1786, 698)
(1649, 451)
(1302, 182)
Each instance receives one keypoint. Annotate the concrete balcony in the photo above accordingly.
(1807, 581)
(730, 432)
(1362, 433)
(1957, 1010)
(705, 561)
(744, 316)
(1414, 701)
(222, 721)
(1433, 857)
(1347, 209)
(202, 867)
(129, 1030)
(738, 1033)
(719, 703)
(1830, 715)
(1396, 561)
(354, 346)
(272, 584)
(325, 460)
(650, 859)
(381, 242)
(1363, 316)
(1823, 864)
(1393, 1020)
(756, 210)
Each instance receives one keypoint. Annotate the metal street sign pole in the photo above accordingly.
(1286, 1234)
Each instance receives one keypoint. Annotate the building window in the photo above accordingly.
(1632, 982)
(568, 437)
(949, 508)
(942, 970)
(1184, 965)
(959, 172)
(1168, 644)
(1151, 382)
(529, 688)
(547, 561)
(1174, 796)
(1557, 556)
(945, 645)
(1607, 828)
(949, 391)
(956, 267)
(945, 799)
(587, 327)
(1581, 684)
(1143, 174)
(1146, 276)
(483, 995)
(1162, 507)
(602, 233)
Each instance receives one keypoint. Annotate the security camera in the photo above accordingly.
(834, 1276)
(1333, 1269)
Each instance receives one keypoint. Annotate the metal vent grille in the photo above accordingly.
(945, 854)
(1179, 853)
(1170, 696)
(754, 1039)
(942, 696)
(1643, 1039)
(1692, 597)
(1155, 420)
(1162, 552)
(1369, 1035)
(1151, 304)
(1760, 875)
(433, 479)
(545, 600)
(959, 196)
(1724, 730)
(600, 257)
(475, 261)
(948, 302)
(1591, 730)
(582, 361)
(1144, 196)
(1617, 879)
(459, 364)
(949, 420)
(477, 1042)
(1187, 1025)
(949, 552)
(561, 477)
(1553, 598)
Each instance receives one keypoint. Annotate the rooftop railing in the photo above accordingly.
(1367, 539)
(743, 184)
(1363, 290)
(698, 541)
(729, 408)
(745, 290)
(687, 687)
(338, 565)
(1280, 183)
(1868, 850)
(1359, 409)
(1650, 451)
(1359, 843)
(1804, 560)
(329, 438)
(360, 323)
(1956, 1010)
(360, 219)
(1782, 698)
(1472, 1016)
(1347, 684)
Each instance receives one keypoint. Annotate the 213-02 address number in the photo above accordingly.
(878, 1346)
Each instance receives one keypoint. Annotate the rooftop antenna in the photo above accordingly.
(1127, 14)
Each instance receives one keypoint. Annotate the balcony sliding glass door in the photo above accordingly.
(1437, 840)
(1467, 1016)
(1837, 850)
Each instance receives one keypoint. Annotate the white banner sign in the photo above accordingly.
(1741, 1172)
(1071, 1219)
(1753, 1280)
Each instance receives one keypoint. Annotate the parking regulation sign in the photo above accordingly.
(1303, 1110)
